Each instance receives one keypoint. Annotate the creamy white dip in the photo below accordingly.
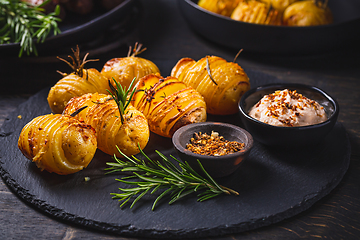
(288, 108)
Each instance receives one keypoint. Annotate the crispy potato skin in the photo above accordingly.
(307, 13)
(58, 143)
(168, 104)
(103, 115)
(232, 82)
(223, 7)
(256, 12)
(124, 70)
(73, 85)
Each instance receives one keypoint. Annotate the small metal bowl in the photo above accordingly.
(288, 136)
(216, 166)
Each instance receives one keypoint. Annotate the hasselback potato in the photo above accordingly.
(221, 83)
(307, 13)
(253, 11)
(79, 82)
(103, 115)
(168, 104)
(223, 7)
(58, 143)
(124, 70)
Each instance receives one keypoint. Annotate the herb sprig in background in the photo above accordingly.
(23, 23)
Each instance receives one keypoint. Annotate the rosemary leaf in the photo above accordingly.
(125, 202)
(211, 179)
(180, 195)
(128, 182)
(131, 169)
(131, 190)
(120, 96)
(149, 179)
(152, 171)
(139, 197)
(156, 188)
(160, 197)
(207, 196)
(209, 71)
(169, 163)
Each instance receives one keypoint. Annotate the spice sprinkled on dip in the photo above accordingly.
(288, 108)
(213, 145)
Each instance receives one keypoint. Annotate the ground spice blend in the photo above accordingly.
(213, 145)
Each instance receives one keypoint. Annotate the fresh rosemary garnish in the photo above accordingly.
(77, 64)
(121, 96)
(209, 70)
(23, 23)
(78, 111)
(136, 51)
(237, 55)
(156, 175)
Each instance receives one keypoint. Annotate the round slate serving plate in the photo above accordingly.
(277, 39)
(274, 184)
(78, 29)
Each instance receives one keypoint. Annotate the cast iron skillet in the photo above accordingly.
(277, 39)
(77, 29)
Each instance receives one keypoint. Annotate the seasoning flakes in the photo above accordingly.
(213, 145)
(288, 108)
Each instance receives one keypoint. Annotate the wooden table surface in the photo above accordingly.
(168, 38)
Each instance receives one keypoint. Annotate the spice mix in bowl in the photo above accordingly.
(219, 147)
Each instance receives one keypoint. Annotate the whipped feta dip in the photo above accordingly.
(286, 108)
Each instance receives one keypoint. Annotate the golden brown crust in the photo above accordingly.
(124, 70)
(307, 13)
(73, 85)
(180, 66)
(257, 12)
(168, 104)
(194, 116)
(58, 143)
(222, 92)
(103, 115)
(223, 7)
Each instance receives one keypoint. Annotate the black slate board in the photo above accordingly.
(274, 184)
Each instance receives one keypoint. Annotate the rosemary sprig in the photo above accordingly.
(136, 51)
(78, 111)
(237, 55)
(77, 64)
(156, 175)
(23, 23)
(121, 96)
(209, 71)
